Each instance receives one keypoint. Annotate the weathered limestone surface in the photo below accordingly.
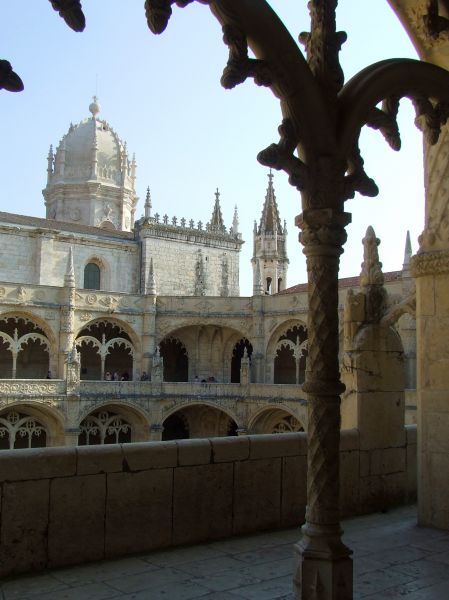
(62, 506)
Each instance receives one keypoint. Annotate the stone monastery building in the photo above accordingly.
(113, 329)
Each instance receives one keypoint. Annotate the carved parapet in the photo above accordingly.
(430, 263)
(29, 388)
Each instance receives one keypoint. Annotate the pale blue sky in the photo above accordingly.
(162, 95)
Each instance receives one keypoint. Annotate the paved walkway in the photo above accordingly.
(394, 559)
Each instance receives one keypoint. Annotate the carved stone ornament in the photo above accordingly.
(9, 80)
(239, 66)
(109, 302)
(431, 28)
(71, 12)
(430, 263)
(91, 298)
(21, 294)
(85, 316)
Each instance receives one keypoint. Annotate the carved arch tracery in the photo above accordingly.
(105, 349)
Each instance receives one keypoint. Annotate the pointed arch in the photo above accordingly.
(287, 352)
(35, 424)
(113, 422)
(199, 420)
(275, 420)
(25, 346)
(106, 347)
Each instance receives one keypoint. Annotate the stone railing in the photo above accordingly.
(63, 506)
(261, 391)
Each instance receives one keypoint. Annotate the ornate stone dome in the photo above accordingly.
(85, 174)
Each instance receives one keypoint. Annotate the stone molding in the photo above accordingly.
(430, 263)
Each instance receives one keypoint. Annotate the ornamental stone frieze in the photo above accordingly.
(430, 263)
(31, 388)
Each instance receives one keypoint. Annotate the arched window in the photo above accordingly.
(91, 276)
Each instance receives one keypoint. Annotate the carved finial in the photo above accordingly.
(371, 273)
(151, 285)
(71, 12)
(94, 107)
(69, 279)
(216, 222)
(74, 356)
(148, 204)
(235, 222)
(50, 162)
(133, 167)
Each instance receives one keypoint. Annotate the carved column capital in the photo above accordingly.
(323, 230)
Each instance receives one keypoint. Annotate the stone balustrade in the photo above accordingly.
(62, 506)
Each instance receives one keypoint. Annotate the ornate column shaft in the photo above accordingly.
(14, 365)
(323, 563)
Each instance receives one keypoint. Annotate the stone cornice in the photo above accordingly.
(430, 263)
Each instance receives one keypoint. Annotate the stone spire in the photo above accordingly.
(235, 222)
(151, 286)
(371, 273)
(133, 168)
(50, 159)
(270, 246)
(148, 205)
(216, 221)
(407, 252)
(69, 278)
(270, 222)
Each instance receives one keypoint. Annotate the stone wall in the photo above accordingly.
(176, 262)
(40, 258)
(62, 506)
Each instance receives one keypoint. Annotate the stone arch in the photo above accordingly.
(107, 224)
(202, 420)
(105, 271)
(287, 352)
(209, 347)
(275, 420)
(106, 346)
(176, 359)
(113, 422)
(240, 347)
(32, 424)
(26, 346)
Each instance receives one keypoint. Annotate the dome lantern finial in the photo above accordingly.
(94, 107)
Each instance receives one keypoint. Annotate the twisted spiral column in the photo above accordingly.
(324, 567)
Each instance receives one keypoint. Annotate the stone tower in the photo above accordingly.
(90, 178)
(270, 262)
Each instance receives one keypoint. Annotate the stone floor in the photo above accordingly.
(394, 559)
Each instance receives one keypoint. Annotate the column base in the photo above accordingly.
(322, 566)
